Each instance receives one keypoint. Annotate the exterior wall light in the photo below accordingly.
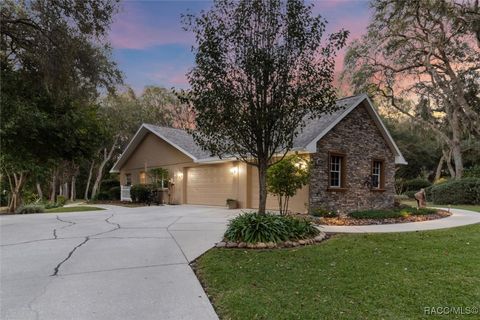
(179, 175)
(234, 170)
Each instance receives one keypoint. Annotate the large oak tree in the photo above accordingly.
(422, 58)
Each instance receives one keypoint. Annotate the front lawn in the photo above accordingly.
(364, 276)
(72, 209)
(470, 207)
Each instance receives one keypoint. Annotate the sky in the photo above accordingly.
(151, 48)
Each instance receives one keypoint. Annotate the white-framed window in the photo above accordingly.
(377, 171)
(128, 179)
(336, 171)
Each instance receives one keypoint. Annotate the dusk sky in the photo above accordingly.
(152, 49)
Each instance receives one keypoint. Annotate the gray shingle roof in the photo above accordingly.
(311, 130)
(313, 127)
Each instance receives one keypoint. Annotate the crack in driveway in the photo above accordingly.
(70, 223)
(57, 268)
(87, 238)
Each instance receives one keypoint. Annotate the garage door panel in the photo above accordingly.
(209, 185)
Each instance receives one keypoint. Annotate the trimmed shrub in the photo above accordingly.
(300, 229)
(472, 172)
(252, 227)
(114, 193)
(324, 213)
(61, 200)
(410, 194)
(141, 192)
(50, 205)
(416, 184)
(30, 208)
(103, 195)
(464, 191)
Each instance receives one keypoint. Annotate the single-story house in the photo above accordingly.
(352, 153)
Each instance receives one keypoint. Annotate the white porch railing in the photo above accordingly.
(125, 193)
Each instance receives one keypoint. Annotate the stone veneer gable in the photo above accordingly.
(358, 137)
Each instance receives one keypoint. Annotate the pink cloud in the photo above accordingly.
(179, 79)
(130, 31)
(329, 4)
(170, 76)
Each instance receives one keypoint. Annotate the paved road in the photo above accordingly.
(457, 219)
(121, 263)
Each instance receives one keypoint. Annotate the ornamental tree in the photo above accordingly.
(262, 68)
(286, 177)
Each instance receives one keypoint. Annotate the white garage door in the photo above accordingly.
(209, 185)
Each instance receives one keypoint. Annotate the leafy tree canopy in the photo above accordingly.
(62, 43)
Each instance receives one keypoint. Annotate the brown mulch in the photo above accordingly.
(347, 221)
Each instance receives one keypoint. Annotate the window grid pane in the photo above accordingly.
(335, 171)
(376, 174)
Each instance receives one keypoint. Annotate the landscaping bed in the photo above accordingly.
(118, 203)
(252, 230)
(376, 217)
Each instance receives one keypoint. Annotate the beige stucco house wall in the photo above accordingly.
(205, 184)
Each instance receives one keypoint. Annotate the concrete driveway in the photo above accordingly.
(120, 263)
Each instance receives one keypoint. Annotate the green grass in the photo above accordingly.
(470, 207)
(364, 276)
(73, 209)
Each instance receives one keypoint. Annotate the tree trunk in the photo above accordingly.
(285, 210)
(448, 160)
(90, 173)
(39, 190)
(457, 159)
(73, 187)
(106, 157)
(66, 190)
(456, 148)
(73, 191)
(438, 172)
(54, 185)
(280, 203)
(16, 189)
(262, 183)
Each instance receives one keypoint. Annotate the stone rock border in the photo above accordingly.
(272, 245)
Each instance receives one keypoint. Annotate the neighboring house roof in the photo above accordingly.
(306, 141)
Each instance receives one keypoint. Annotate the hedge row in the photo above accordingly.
(464, 191)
